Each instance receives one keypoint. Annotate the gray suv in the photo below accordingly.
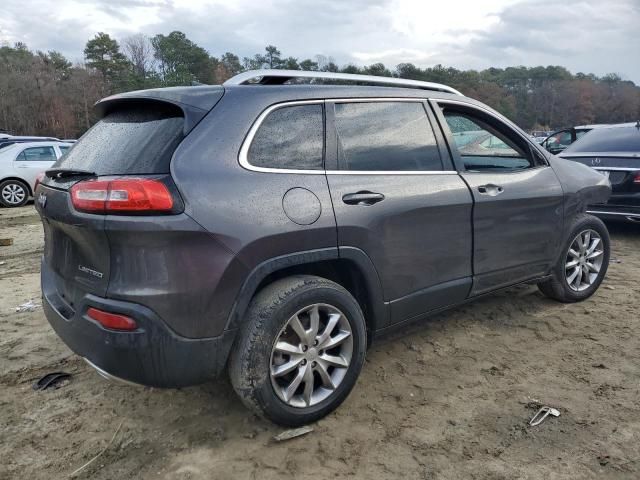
(274, 229)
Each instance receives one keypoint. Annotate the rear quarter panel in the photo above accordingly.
(582, 186)
(243, 209)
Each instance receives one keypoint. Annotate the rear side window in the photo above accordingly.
(63, 148)
(135, 139)
(37, 154)
(385, 136)
(290, 137)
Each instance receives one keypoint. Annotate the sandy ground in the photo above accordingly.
(448, 398)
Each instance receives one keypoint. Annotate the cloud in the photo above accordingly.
(583, 35)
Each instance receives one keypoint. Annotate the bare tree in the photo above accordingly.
(139, 51)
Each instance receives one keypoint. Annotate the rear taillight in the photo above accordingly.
(135, 195)
(38, 180)
(112, 321)
(636, 178)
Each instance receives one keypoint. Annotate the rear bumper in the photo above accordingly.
(152, 355)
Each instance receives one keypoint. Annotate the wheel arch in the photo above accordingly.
(347, 266)
(21, 180)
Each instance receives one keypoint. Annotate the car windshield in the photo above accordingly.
(616, 139)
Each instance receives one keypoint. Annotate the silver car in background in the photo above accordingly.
(20, 165)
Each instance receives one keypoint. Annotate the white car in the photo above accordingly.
(20, 165)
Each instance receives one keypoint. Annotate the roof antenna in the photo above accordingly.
(638, 124)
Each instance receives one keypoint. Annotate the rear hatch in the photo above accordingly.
(135, 139)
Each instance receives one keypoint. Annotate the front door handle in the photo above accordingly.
(362, 198)
(490, 189)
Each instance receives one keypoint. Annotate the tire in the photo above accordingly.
(558, 286)
(13, 193)
(270, 320)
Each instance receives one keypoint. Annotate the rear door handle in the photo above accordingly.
(362, 198)
(490, 189)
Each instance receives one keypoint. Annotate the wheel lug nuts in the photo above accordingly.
(313, 364)
(315, 342)
(304, 348)
(304, 362)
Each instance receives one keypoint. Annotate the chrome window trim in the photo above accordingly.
(616, 169)
(244, 149)
(391, 172)
(567, 155)
(376, 99)
(603, 212)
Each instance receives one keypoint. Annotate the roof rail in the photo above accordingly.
(279, 77)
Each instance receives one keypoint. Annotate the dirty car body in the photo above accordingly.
(404, 241)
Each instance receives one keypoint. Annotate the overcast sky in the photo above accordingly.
(598, 36)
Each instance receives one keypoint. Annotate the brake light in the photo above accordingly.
(113, 321)
(636, 179)
(38, 180)
(121, 196)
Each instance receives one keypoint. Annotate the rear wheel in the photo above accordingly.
(583, 263)
(13, 193)
(301, 350)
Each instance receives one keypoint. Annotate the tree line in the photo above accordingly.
(43, 93)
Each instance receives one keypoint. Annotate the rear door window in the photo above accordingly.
(290, 137)
(37, 154)
(385, 136)
(134, 139)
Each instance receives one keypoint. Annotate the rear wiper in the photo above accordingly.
(68, 172)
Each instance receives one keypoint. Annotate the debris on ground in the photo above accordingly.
(29, 306)
(51, 380)
(293, 433)
(542, 414)
(80, 469)
(6, 242)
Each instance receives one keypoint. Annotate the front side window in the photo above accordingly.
(483, 147)
(64, 148)
(37, 154)
(385, 136)
(290, 137)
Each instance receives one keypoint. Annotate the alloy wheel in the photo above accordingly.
(584, 260)
(311, 355)
(13, 193)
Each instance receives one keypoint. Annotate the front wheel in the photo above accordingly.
(582, 264)
(300, 351)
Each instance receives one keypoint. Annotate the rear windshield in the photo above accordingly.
(602, 140)
(135, 139)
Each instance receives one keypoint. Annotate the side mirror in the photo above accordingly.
(558, 141)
